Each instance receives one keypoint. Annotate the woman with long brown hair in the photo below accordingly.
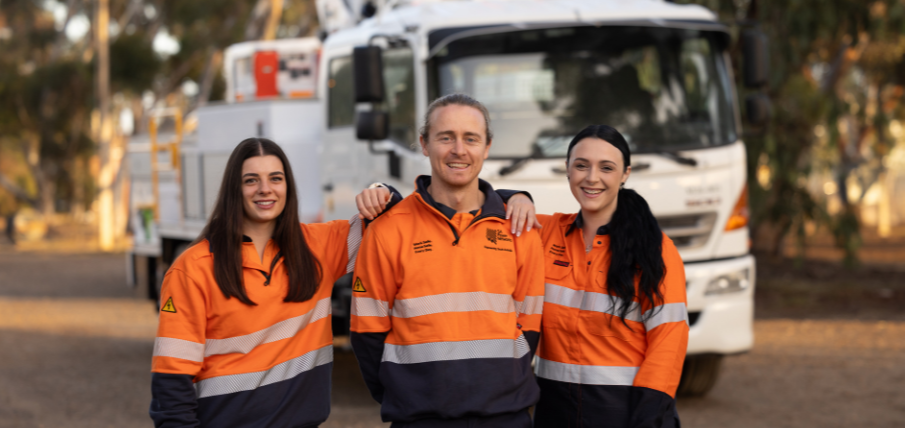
(245, 334)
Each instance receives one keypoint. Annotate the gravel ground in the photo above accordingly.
(75, 350)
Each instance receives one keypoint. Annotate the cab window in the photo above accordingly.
(340, 93)
(399, 82)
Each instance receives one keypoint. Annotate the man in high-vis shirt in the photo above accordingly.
(446, 308)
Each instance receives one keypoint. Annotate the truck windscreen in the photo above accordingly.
(663, 88)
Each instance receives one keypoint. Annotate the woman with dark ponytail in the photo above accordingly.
(245, 336)
(615, 330)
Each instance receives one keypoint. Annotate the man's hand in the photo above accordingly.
(372, 202)
(521, 210)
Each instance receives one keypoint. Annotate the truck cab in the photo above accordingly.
(656, 71)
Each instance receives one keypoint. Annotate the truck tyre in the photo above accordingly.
(699, 374)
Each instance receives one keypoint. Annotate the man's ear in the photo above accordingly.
(487, 149)
(423, 145)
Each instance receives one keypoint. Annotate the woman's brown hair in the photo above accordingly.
(224, 230)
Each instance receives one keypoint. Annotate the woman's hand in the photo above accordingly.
(372, 202)
(521, 210)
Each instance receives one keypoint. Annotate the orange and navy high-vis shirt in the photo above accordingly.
(446, 311)
(593, 369)
(218, 362)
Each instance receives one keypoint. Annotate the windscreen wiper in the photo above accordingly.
(516, 165)
(673, 156)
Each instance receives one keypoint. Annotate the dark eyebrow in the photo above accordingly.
(585, 160)
(445, 133)
(250, 174)
(276, 173)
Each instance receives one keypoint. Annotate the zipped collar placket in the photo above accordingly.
(493, 204)
(273, 263)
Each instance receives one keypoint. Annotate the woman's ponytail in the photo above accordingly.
(636, 251)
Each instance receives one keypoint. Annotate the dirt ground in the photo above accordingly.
(75, 349)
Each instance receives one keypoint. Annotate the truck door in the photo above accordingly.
(347, 163)
(402, 161)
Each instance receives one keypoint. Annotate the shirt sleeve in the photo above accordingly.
(506, 194)
(373, 293)
(667, 329)
(529, 289)
(178, 351)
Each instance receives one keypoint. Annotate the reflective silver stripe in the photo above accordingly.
(588, 301)
(353, 241)
(533, 305)
(279, 331)
(450, 351)
(586, 375)
(368, 307)
(230, 384)
(564, 296)
(453, 302)
(178, 348)
(670, 312)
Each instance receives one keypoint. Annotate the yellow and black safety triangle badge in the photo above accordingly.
(358, 286)
(168, 306)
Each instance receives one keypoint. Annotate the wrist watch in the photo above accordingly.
(376, 185)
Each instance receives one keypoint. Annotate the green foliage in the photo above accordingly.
(857, 45)
(133, 63)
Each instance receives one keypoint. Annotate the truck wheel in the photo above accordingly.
(699, 374)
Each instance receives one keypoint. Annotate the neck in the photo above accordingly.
(259, 233)
(462, 199)
(594, 219)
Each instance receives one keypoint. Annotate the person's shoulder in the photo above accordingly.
(194, 254)
(196, 262)
(400, 214)
(670, 251)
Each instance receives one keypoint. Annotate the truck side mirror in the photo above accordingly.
(367, 65)
(372, 125)
(757, 109)
(757, 63)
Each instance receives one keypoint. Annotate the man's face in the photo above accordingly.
(457, 145)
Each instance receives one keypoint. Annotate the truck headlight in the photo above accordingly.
(729, 283)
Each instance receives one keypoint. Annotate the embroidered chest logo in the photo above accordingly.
(557, 250)
(561, 263)
(494, 235)
(423, 246)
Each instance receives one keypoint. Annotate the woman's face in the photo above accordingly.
(263, 188)
(596, 170)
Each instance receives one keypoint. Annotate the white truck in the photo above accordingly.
(657, 71)
(271, 92)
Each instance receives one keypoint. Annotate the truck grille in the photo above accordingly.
(688, 230)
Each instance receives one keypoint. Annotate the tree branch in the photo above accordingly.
(18, 192)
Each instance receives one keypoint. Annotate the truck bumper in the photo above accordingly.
(721, 323)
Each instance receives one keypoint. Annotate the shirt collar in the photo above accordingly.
(493, 203)
(579, 223)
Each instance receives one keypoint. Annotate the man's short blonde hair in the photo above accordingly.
(459, 100)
